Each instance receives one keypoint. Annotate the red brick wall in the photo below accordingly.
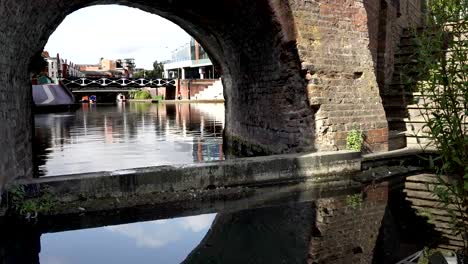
(335, 50)
(195, 86)
(347, 48)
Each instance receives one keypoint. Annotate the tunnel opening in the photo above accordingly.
(107, 135)
(263, 86)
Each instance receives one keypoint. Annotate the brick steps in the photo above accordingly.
(398, 96)
(214, 91)
(427, 205)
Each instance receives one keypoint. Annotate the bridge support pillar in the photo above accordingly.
(182, 75)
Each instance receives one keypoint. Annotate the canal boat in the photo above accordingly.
(92, 99)
(51, 97)
(121, 98)
(84, 99)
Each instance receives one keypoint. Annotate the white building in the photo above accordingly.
(60, 68)
(190, 61)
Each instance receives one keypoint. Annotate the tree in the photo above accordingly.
(156, 72)
(442, 79)
(158, 69)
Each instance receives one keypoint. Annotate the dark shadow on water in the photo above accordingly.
(402, 232)
(265, 235)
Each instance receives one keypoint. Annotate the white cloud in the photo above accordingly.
(159, 233)
(145, 234)
(198, 223)
(113, 32)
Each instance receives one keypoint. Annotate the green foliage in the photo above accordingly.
(158, 97)
(355, 201)
(158, 69)
(140, 94)
(427, 214)
(16, 196)
(156, 72)
(428, 252)
(354, 140)
(441, 77)
(29, 207)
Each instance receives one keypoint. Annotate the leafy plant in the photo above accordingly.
(355, 201)
(442, 80)
(354, 140)
(140, 94)
(29, 207)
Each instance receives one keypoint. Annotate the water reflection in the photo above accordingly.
(162, 241)
(279, 234)
(111, 137)
(325, 231)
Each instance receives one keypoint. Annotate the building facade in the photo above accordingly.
(190, 61)
(60, 68)
(110, 68)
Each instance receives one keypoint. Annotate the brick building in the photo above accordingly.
(60, 68)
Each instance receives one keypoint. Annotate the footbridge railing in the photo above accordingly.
(78, 83)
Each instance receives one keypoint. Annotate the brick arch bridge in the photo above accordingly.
(297, 73)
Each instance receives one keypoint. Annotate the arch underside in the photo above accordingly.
(297, 75)
(266, 100)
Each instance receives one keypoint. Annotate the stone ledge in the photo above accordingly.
(162, 205)
(323, 169)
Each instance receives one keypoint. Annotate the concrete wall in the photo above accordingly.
(297, 74)
(324, 170)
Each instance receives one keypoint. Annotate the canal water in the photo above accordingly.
(161, 241)
(272, 224)
(278, 234)
(112, 137)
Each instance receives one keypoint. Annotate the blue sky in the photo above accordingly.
(114, 32)
(162, 241)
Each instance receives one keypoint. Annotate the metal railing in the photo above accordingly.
(116, 82)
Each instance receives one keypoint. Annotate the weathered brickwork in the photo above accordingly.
(346, 46)
(15, 95)
(341, 234)
(333, 43)
(297, 74)
(393, 17)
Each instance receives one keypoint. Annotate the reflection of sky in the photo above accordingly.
(106, 138)
(162, 241)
